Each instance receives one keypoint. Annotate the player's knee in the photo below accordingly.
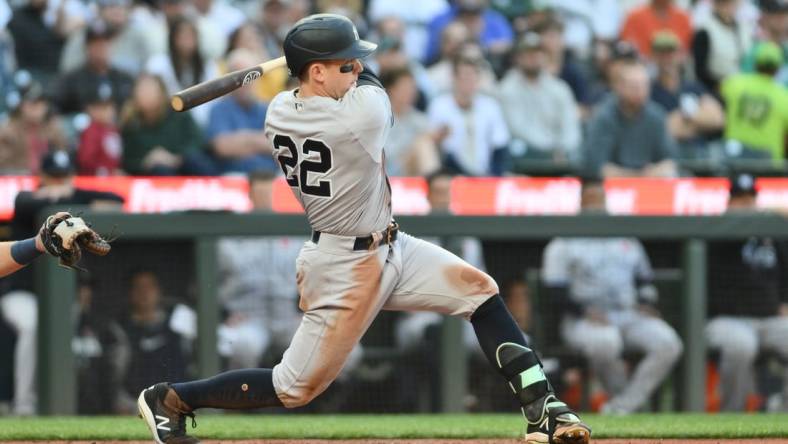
(294, 390)
(299, 397)
(674, 348)
(605, 347)
(20, 309)
(743, 350)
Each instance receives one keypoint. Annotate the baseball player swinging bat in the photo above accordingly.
(328, 135)
(207, 91)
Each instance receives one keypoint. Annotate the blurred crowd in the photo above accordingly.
(478, 87)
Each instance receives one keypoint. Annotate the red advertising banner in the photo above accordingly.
(772, 192)
(469, 196)
(515, 196)
(681, 197)
(147, 194)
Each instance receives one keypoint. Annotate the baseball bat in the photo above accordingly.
(211, 89)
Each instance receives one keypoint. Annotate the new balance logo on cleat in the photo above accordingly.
(165, 417)
(162, 425)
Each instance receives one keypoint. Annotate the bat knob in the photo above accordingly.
(177, 103)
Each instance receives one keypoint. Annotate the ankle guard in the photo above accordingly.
(522, 369)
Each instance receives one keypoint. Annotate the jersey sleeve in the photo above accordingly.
(366, 112)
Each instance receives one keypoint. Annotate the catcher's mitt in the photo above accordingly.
(64, 236)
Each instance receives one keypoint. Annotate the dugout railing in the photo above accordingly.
(56, 286)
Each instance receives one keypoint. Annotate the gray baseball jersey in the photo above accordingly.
(338, 147)
(332, 154)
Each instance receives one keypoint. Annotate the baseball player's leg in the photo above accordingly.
(737, 341)
(20, 310)
(662, 347)
(433, 279)
(773, 332)
(602, 345)
(341, 292)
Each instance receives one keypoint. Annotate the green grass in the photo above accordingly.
(394, 426)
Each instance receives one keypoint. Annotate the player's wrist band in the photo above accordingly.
(23, 252)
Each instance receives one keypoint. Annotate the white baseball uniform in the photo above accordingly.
(331, 152)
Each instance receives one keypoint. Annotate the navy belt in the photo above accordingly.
(388, 236)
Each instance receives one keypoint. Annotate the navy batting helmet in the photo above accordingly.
(323, 37)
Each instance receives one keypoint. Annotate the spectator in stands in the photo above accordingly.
(659, 15)
(249, 38)
(415, 14)
(101, 354)
(748, 303)
(390, 54)
(31, 129)
(183, 65)
(694, 115)
(221, 15)
(235, 129)
(588, 20)
(277, 17)
(774, 29)
(100, 145)
(156, 17)
(74, 87)
(352, 9)
(720, 44)
(559, 61)
(129, 46)
(455, 44)
(156, 140)
(627, 134)
(18, 304)
(608, 60)
(606, 285)
(757, 107)
(37, 43)
(475, 139)
(486, 26)
(7, 57)
(538, 106)
(156, 347)
(410, 147)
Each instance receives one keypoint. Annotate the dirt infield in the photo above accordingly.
(435, 441)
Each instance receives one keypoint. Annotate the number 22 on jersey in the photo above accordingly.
(297, 173)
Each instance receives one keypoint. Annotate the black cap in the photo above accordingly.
(742, 185)
(57, 163)
(773, 6)
(323, 37)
